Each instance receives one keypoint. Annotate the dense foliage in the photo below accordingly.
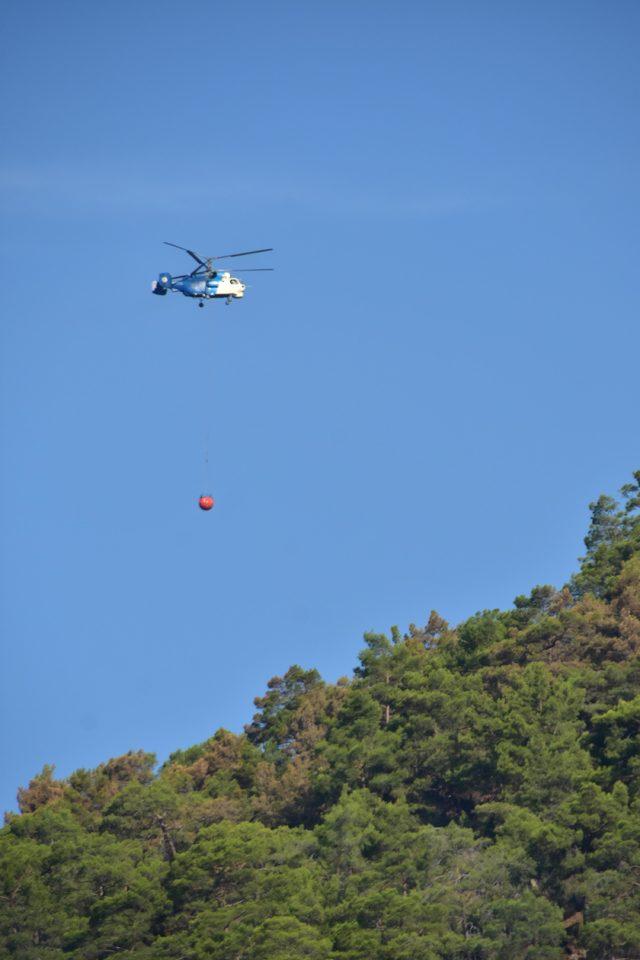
(473, 793)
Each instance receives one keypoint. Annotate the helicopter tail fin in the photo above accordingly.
(162, 284)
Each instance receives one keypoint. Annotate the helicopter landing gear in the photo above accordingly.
(228, 301)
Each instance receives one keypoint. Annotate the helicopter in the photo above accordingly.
(206, 282)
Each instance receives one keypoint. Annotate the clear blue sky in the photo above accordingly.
(412, 412)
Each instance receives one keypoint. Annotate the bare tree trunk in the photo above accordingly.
(169, 846)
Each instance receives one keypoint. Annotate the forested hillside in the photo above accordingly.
(472, 793)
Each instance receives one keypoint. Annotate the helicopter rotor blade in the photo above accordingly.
(190, 252)
(246, 253)
(256, 270)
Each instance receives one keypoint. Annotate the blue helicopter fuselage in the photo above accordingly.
(217, 284)
(191, 286)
